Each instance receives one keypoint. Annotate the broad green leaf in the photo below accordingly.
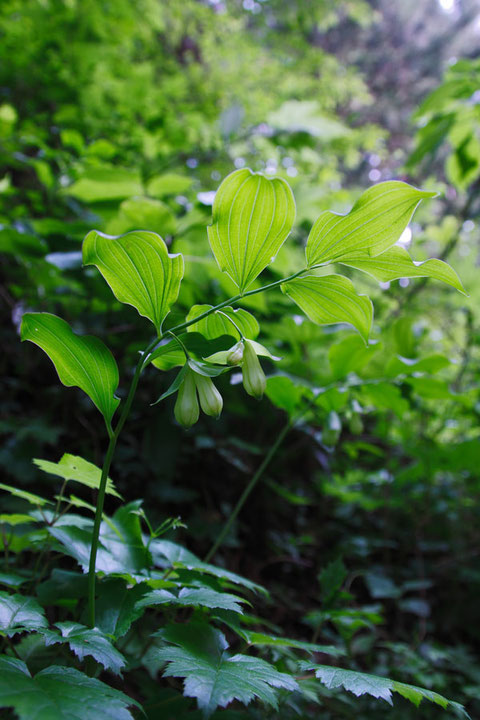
(21, 244)
(100, 183)
(73, 467)
(169, 184)
(20, 614)
(13, 580)
(252, 216)
(379, 687)
(374, 224)
(193, 597)
(87, 641)
(331, 299)
(218, 323)
(179, 556)
(211, 676)
(58, 692)
(81, 361)
(139, 270)
(144, 213)
(121, 547)
(349, 355)
(117, 606)
(396, 263)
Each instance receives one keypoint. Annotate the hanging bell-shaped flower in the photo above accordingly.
(186, 407)
(211, 401)
(235, 355)
(254, 380)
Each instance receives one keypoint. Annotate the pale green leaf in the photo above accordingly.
(139, 270)
(17, 519)
(73, 467)
(379, 687)
(396, 263)
(57, 692)
(20, 614)
(252, 216)
(100, 183)
(87, 641)
(81, 361)
(24, 495)
(214, 678)
(374, 224)
(218, 323)
(331, 299)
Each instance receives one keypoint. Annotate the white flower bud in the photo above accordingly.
(254, 380)
(235, 356)
(210, 399)
(186, 408)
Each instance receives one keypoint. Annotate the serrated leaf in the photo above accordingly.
(24, 495)
(252, 216)
(117, 606)
(379, 687)
(193, 597)
(139, 270)
(57, 692)
(81, 361)
(374, 224)
(396, 263)
(331, 299)
(179, 556)
(20, 614)
(73, 467)
(211, 676)
(217, 324)
(87, 641)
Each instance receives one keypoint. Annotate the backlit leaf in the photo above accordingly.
(331, 299)
(57, 692)
(396, 263)
(252, 216)
(73, 467)
(81, 361)
(211, 676)
(218, 324)
(139, 270)
(374, 224)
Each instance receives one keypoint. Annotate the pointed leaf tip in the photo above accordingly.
(252, 217)
(139, 269)
(374, 224)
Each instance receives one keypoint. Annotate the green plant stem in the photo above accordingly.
(244, 496)
(103, 481)
(113, 435)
